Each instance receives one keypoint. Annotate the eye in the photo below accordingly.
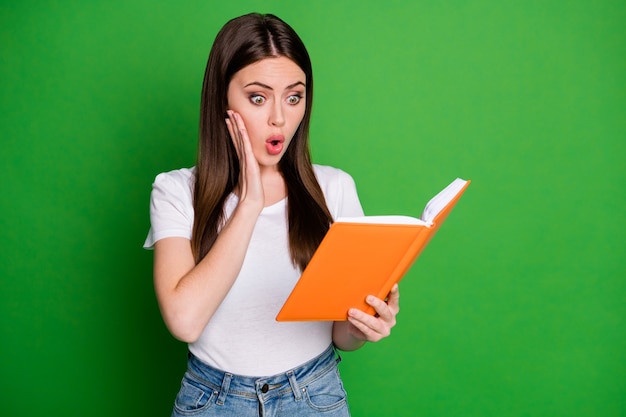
(257, 99)
(294, 99)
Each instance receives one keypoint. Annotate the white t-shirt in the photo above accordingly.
(243, 336)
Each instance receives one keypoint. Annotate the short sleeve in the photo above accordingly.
(171, 208)
(340, 191)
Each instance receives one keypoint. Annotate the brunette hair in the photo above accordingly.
(241, 42)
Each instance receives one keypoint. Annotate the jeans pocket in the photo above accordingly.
(326, 393)
(193, 397)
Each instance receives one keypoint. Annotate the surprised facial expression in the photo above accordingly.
(270, 97)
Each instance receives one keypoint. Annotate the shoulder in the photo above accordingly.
(331, 176)
(339, 190)
(183, 177)
(178, 182)
(174, 187)
(171, 205)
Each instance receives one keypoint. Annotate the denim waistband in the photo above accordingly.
(226, 383)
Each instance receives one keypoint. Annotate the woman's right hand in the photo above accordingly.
(250, 185)
(190, 293)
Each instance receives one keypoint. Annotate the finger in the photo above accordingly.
(233, 125)
(234, 133)
(363, 331)
(250, 185)
(374, 328)
(242, 141)
(382, 308)
(393, 300)
(247, 159)
(243, 134)
(354, 331)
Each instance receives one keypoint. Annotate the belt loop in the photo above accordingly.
(294, 385)
(224, 388)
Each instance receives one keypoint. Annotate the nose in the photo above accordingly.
(277, 118)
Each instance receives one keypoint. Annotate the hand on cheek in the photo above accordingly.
(250, 186)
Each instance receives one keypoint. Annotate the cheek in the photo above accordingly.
(298, 120)
(296, 115)
(249, 120)
(252, 125)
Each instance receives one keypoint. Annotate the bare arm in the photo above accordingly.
(189, 294)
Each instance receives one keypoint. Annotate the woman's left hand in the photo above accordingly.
(370, 328)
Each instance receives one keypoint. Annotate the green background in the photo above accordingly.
(518, 306)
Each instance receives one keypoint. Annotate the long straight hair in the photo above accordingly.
(241, 42)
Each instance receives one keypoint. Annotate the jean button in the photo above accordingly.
(265, 388)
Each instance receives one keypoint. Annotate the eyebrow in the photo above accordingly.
(289, 87)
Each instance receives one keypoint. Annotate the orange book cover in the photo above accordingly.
(362, 256)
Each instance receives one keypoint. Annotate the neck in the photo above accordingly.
(274, 186)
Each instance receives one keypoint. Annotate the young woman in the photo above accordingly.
(232, 235)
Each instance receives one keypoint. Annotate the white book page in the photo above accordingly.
(382, 220)
(438, 202)
(434, 206)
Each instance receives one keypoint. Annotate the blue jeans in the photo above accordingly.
(313, 389)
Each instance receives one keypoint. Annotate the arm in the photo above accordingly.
(362, 327)
(189, 294)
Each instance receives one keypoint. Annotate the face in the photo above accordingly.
(270, 97)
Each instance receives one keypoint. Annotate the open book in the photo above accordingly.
(365, 255)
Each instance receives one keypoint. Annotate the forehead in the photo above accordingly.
(275, 72)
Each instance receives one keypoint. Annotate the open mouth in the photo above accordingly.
(274, 144)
